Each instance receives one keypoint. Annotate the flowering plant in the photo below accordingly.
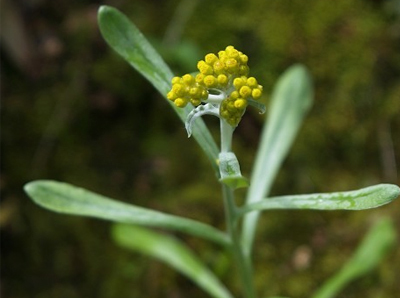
(222, 88)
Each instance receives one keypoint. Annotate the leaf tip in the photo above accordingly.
(28, 187)
(104, 8)
(392, 190)
(31, 187)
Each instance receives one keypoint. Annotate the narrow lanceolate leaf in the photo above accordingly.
(374, 247)
(126, 39)
(365, 198)
(291, 100)
(172, 252)
(65, 198)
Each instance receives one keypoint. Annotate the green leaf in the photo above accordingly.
(365, 198)
(171, 251)
(375, 245)
(291, 100)
(126, 39)
(65, 198)
(230, 171)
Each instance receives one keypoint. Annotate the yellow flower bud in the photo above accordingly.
(211, 58)
(231, 65)
(222, 80)
(175, 80)
(210, 81)
(195, 102)
(243, 58)
(240, 103)
(199, 78)
(218, 66)
(252, 82)
(194, 92)
(234, 95)
(180, 102)
(256, 93)
(188, 79)
(239, 82)
(171, 95)
(204, 68)
(245, 91)
(178, 89)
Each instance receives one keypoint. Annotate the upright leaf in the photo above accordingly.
(172, 252)
(126, 39)
(371, 251)
(65, 198)
(291, 100)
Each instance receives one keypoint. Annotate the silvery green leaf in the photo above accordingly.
(172, 252)
(291, 99)
(365, 198)
(69, 199)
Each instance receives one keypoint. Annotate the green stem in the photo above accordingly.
(231, 213)
(243, 264)
(226, 135)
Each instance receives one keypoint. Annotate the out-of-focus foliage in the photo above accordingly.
(72, 110)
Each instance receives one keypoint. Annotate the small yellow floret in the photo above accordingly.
(243, 58)
(171, 95)
(180, 102)
(175, 80)
(210, 58)
(231, 65)
(222, 80)
(234, 95)
(231, 52)
(239, 82)
(252, 82)
(194, 92)
(245, 91)
(210, 81)
(188, 79)
(204, 68)
(218, 66)
(195, 102)
(200, 78)
(204, 94)
(256, 93)
(178, 89)
(240, 103)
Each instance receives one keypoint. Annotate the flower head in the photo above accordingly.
(222, 81)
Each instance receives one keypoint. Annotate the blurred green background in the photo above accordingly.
(72, 110)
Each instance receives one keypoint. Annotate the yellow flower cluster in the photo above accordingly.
(216, 72)
(234, 106)
(227, 74)
(186, 89)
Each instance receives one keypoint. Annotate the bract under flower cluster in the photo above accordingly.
(223, 81)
